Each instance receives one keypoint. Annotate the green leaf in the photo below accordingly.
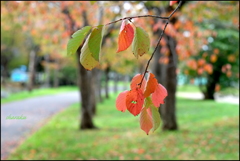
(92, 2)
(141, 42)
(155, 118)
(86, 58)
(95, 41)
(148, 102)
(77, 40)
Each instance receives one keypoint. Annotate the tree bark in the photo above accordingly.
(56, 75)
(85, 95)
(107, 82)
(31, 72)
(47, 71)
(115, 89)
(211, 84)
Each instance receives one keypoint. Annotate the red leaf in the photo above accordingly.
(136, 80)
(173, 2)
(121, 101)
(134, 101)
(152, 84)
(125, 37)
(146, 120)
(159, 95)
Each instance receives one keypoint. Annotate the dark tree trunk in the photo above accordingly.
(56, 77)
(47, 71)
(98, 90)
(107, 82)
(94, 89)
(115, 88)
(31, 75)
(85, 93)
(84, 81)
(211, 84)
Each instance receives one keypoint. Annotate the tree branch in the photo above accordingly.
(168, 19)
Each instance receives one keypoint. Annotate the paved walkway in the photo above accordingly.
(36, 110)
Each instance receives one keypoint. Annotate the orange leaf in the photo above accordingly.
(146, 120)
(172, 2)
(151, 85)
(134, 101)
(126, 36)
(159, 95)
(136, 80)
(121, 101)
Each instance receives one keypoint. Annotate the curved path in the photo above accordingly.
(35, 111)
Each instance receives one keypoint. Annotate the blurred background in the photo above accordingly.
(197, 62)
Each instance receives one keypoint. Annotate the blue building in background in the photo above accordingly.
(19, 74)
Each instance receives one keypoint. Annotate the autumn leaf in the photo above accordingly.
(95, 41)
(155, 117)
(159, 95)
(125, 37)
(141, 42)
(151, 85)
(121, 101)
(77, 40)
(146, 123)
(134, 101)
(172, 2)
(86, 58)
(136, 80)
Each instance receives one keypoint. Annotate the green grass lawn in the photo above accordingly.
(207, 130)
(37, 92)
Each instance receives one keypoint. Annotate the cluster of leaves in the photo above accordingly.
(91, 49)
(144, 99)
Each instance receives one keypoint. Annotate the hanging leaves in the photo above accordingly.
(172, 2)
(137, 80)
(151, 85)
(146, 123)
(77, 40)
(95, 41)
(121, 101)
(144, 104)
(159, 95)
(141, 42)
(134, 101)
(86, 58)
(155, 118)
(125, 37)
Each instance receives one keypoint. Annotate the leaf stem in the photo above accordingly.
(160, 38)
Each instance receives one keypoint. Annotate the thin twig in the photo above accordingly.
(168, 19)
(132, 17)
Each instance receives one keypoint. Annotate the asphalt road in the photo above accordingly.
(36, 112)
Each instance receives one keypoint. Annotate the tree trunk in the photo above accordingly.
(98, 83)
(94, 89)
(47, 71)
(166, 75)
(56, 77)
(31, 72)
(85, 93)
(115, 82)
(213, 79)
(107, 82)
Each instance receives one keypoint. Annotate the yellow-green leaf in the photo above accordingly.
(95, 41)
(77, 40)
(155, 118)
(141, 42)
(92, 2)
(86, 58)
